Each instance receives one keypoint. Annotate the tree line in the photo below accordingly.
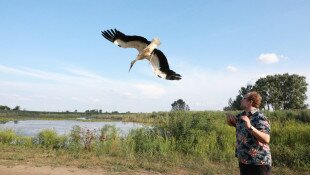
(6, 108)
(279, 92)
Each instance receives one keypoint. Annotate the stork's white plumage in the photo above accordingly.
(146, 50)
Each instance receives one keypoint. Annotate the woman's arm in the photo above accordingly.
(259, 135)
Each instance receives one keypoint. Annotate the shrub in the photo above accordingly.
(23, 141)
(75, 134)
(7, 136)
(109, 142)
(49, 139)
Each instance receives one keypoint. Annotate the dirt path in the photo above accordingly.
(47, 170)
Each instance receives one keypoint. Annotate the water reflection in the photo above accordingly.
(33, 127)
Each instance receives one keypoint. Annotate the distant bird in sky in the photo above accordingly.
(147, 49)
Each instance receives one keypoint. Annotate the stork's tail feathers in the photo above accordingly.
(171, 75)
(174, 77)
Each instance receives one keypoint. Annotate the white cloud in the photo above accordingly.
(75, 88)
(282, 57)
(84, 73)
(206, 89)
(82, 89)
(150, 91)
(231, 69)
(269, 58)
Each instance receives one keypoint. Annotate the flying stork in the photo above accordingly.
(147, 49)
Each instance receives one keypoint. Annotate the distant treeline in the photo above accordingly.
(6, 109)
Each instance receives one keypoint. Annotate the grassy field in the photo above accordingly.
(191, 142)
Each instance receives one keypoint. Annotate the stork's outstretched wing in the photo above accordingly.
(126, 41)
(161, 67)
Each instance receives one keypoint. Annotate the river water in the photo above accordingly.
(62, 127)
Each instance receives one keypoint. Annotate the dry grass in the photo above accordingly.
(39, 157)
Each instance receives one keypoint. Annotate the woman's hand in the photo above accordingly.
(231, 120)
(246, 120)
(259, 135)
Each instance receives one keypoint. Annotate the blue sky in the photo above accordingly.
(53, 57)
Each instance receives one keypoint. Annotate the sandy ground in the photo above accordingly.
(47, 170)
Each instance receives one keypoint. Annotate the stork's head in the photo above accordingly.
(156, 41)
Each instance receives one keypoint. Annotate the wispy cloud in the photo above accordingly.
(268, 58)
(150, 91)
(71, 75)
(81, 89)
(74, 88)
(84, 73)
(231, 69)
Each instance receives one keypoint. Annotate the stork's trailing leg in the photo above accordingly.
(132, 63)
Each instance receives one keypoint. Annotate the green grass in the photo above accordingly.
(290, 144)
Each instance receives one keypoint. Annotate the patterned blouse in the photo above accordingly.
(248, 149)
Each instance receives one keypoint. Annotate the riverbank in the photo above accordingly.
(146, 118)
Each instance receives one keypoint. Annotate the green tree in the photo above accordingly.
(229, 107)
(262, 87)
(282, 91)
(236, 104)
(277, 91)
(5, 108)
(17, 108)
(179, 105)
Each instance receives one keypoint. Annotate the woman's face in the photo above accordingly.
(245, 102)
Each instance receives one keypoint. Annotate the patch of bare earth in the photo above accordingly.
(47, 170)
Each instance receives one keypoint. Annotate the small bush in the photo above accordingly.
(49, 139)
(304, 116)
(108, 132)
(7, 136)
(75, 134)
(109, 142)
(24, 141)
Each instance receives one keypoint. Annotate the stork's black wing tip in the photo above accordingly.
(109, 34)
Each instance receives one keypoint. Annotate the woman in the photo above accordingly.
(252, 137)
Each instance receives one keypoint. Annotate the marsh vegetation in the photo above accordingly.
(192, 142)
